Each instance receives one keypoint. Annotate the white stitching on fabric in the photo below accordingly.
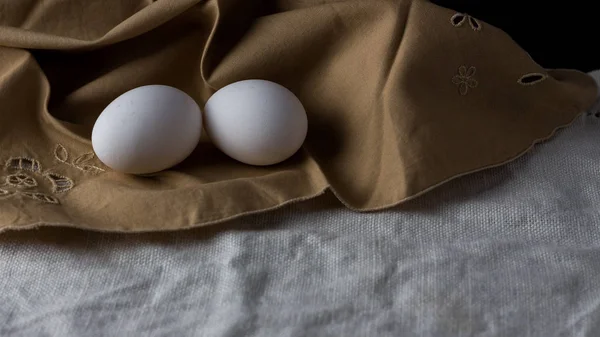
(21, 180)
(459, 19)
(532, 79)
(59, 183)
(82, 162)
(20, 183)
(474, 23)
(23, 163)
(41, 197)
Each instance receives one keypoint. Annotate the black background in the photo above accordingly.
(561, 34)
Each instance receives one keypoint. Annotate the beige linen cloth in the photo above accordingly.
(401, 97)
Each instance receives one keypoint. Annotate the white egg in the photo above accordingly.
(147, 129)
(256, 122)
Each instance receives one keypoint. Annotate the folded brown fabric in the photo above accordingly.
(401, 97)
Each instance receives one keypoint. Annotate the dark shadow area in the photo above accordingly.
(556, 34)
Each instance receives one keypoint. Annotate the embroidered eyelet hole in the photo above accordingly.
(531, 79)
(41, 197)
(21, 180)
(474, 23)
(22, 163)
(61, 154)
(458, 19)
(59, 183)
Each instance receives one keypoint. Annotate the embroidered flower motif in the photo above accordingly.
(21, 180)
(459, 19)
(464, 79)
(26, 178)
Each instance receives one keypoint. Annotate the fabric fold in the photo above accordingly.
(401, 96)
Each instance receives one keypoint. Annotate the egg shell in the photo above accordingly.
(147, 129)
(256, 122)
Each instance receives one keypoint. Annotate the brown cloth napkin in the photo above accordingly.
(401, 97)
